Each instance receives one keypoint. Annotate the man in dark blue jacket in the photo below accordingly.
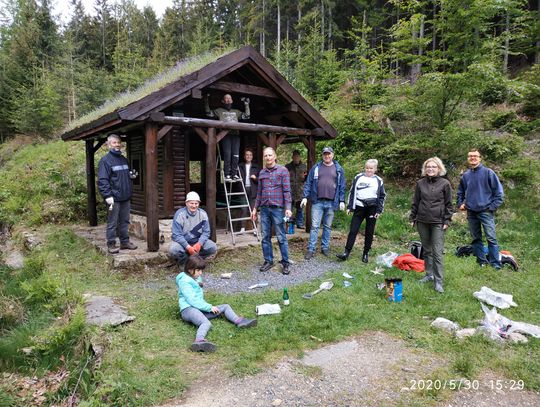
(114, 184)
(480, 193)
(325, 188)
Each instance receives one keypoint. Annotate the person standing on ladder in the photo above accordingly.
(230, 144)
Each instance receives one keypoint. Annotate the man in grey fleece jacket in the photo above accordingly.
(191, 231)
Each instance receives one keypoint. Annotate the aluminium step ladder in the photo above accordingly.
(231, 194)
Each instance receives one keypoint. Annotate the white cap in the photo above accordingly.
(193, 196)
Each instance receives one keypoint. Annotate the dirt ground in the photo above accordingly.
(373, 369)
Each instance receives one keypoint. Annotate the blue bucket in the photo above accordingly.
(289, 228)
(394, 289)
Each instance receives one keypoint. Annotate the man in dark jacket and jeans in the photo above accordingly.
(114, 184)
(480, 193)
(325, 188)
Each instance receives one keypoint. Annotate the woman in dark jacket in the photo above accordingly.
(366, 201)
(431, 213)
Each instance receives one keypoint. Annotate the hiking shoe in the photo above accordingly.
(325, 253)
(426, 279)
(236, 178)
(112, 248)
(228, 178)
(202, 346)
(309, 255)
(267, 265)
(438, 288)
(365, 258)
(285, 268)
(247, 323)
(128, 246)
(343, 256)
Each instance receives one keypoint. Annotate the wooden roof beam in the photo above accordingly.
(243, 88)
(196, 122)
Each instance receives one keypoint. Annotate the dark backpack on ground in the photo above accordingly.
(464, 251)
(417, 250)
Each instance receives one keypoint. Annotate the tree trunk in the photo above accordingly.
(278, 28)
(299, 31)
(322, 25)
(417, 66)
(506, 48)
(262, 36)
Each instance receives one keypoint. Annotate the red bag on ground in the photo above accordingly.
(408, 262)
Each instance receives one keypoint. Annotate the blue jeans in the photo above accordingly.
(484, 219)
(118, 222)
(322, 211)
(273, 215)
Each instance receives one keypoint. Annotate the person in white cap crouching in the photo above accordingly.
(191, 231)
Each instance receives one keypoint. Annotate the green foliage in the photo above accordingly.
(498, 119)
(49, 292)
(61, 337)
(523, 171)
(44, 183)
(357, 131)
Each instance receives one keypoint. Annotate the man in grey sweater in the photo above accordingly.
(191, 231)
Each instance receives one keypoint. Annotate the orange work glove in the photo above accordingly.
(197, 247)
(191, 251)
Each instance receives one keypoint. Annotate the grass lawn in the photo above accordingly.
(148, 361)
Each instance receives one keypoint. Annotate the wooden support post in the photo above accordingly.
(151, 187)
(211, 149)
(91, 184)
(310, 163)
(168, 176)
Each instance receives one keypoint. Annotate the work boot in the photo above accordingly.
(112, 248)
(438, 288)
(246, 323)
(128, 246)
(202, 346)
(365, 257)
(267, 265)
(426, 279)
(325, 252)
(285, 268)
(344, 256)
(309, 255)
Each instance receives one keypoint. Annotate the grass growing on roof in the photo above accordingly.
(182, 68)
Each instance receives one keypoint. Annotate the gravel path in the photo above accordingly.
(373, 369)
(301, 272)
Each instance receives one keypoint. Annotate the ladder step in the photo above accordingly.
(239, 206)
(245, 232)
(235, 193)
(238, 219)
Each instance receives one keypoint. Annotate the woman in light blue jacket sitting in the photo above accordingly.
(194, 308)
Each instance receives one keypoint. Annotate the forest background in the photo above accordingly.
(400, 80)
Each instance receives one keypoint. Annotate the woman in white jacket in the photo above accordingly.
(366, 201)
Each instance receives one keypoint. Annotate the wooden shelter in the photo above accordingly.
(173, 146)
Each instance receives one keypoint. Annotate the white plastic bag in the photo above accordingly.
(494, 298)
(386, 259)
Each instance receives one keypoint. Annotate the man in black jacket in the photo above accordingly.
(114, 184)
(249, 172)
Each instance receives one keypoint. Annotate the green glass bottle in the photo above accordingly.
(285, 296)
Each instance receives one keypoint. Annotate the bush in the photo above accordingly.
(498, 119)
(357, 132)
(49, 292)
(523, 171)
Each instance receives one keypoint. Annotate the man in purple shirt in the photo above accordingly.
(274, 203)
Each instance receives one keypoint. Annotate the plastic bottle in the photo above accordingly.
(285, 296)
